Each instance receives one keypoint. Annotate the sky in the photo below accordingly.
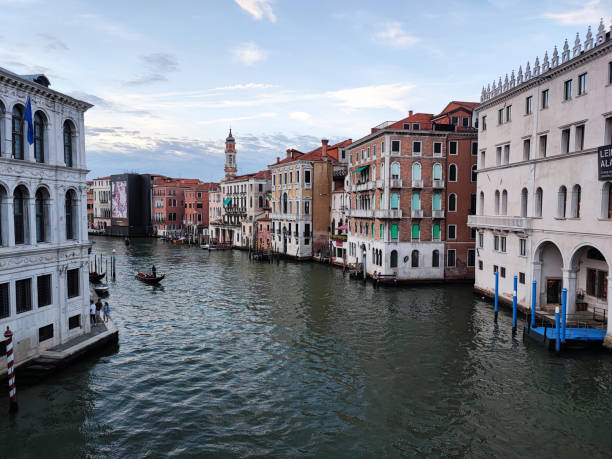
(169, 78)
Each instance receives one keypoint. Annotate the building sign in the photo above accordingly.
(119, 200)
(338, 237)
(604, 159)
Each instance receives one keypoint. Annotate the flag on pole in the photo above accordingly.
(28, 118)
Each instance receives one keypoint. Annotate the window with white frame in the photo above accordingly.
(451, 258)
(452, 147)
(437, 148)
(395, 146)
(481, 239)
(416, 148)
(452, 231)
(522, 247)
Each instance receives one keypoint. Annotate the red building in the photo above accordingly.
(265, 234)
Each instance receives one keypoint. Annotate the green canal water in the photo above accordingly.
(232, 358)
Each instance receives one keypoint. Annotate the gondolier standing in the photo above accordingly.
(154, 271)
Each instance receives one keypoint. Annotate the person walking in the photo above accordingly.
(92, 312)
(98, 310)
(106, 311)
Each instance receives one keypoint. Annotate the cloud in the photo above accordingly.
(258, 8)
(589, 14)
(245, 86)
(240, 118)
(393, 96)
(105, 104)
(53, 43)
(158, 65)
(393, 34)
(249, 53)
(106, 28)
(301, 116)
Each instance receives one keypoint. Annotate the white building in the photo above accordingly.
(102, 205)
(44, 287)
(543, 212)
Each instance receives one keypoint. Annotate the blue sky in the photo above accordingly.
(168, 78)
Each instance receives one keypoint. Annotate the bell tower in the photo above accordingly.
(230, 156)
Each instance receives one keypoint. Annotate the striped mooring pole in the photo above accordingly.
(8, 334)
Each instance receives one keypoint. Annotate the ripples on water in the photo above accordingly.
(238, 358)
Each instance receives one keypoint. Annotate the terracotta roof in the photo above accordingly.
(457, 105)
(424, 119)
(264, 174)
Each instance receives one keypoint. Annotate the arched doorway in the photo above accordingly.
(549, 262)
(588, 280)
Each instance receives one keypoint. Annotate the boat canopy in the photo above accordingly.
(227, 201)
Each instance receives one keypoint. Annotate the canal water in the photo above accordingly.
(232, 358)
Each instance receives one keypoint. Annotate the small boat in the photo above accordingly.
(101, 289)
(96, 277)
(149, 278)
(205, 246)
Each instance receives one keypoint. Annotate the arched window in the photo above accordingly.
(524, 202)
(42, 218)
(437, 171)
(452, 173)
(374, 172)
(437, 201)
(416, 171)
(68, 153)
(394, 258)
(395, 201)
(452, 202)
(17, 128)
(284, 203)
(576, 190)
(435, 259)
(395, 171)
(71, 215)
(414, 258)
(538, 202)
(20, 216)
(497, 202)
(3, 217)
(504, 203)
(481, 204)
(561, 201)
(606, 200)
(474, 174)
(416, 201)
(435, 233)
(39, 138)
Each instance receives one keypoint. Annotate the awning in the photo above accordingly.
(343, 227)
(359, 169)
(227, 201)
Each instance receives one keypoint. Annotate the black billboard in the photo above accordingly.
(604, 161)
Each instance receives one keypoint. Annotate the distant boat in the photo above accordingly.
(95, 277)
(205, 246)
(101, 289)
(149, 278)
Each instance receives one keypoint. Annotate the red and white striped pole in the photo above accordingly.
(8, 334)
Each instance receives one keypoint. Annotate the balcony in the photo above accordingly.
(416, 213)
(360, 213)
(288, 217)
(388, 213)
(364, 186)
(380, 183)
(417, 183)
(500, 222)
(437, 184)
(437, 214)
(395, 183)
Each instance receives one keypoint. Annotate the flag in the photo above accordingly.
(28, 117)
(269, 197)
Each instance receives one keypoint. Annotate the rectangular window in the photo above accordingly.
(521, 278)
(307, 207)
(503, 243)
(481, 240)
(436, 232)
(452, 147)
(382, 147)
(74, 322)
(502, 272)
(508, 113)
(484, 123)
(582, 84)
(480, 265)
(416, 148)
(496, 243)
(579, 138)
(416, 126)
(45, 333)
(394, 231)
(474, 148)
(407, 126)
(437, 148)
(498, 156)
(451, 258)
(543, 139)
(307, 176)
(368, 152)
(522, 247)
(381, 231)
(72, 280)
(416, 231)
(290, 177)
(465, 121)
(526, 149)
(452, 231)
(395, 146)
(5, 309)
(44, 290)
(495, 269)
(565, 140)
(528, 102)
(545, 94)
(500, 116)
(609, 72)
(567, 90)
(454, 120)
(23, 295)
(471, 258)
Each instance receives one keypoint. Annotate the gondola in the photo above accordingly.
(101, 289)
(149, 278)
(96, 277)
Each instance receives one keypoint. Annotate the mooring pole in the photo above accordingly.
(10, 365)
(113, 267)
(496, 292)
(533, 302)
(563, 313)
(514, 305)
(557, 334)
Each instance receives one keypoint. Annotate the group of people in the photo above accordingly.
(96, 309)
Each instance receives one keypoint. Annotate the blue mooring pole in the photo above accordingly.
(514, 304)
(496, 292)
(563, 313)
(557, 334)
(533, 303)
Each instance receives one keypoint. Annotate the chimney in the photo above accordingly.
(410, 113)
(289, 153)
(324, 143)
(278, 159)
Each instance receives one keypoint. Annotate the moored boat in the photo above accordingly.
(96, 277)
(149, 278)
(101, 289)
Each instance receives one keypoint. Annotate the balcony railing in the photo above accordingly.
(395, 183)
(388, 213)
(437, 214)
(380, 183)
(416, 213)
(509, 223)
(417, 183)
(360, 213)
(364, 186)
(437, 183)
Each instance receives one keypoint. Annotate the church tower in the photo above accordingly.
(230, 156)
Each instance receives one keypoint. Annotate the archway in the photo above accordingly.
(549, 262)
(587, 280)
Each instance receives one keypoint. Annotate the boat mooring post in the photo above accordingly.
(514, 305)
(496, 292)
(10, 365)
(557, 334)
(533, 302)
(113, 260)
(563, 313)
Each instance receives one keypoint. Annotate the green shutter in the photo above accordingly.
(373, 231)
(436, 231)
(416, 201)
(394, 232)
(415, 231)
(436, 202)
(381, 231)
(395, 201)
